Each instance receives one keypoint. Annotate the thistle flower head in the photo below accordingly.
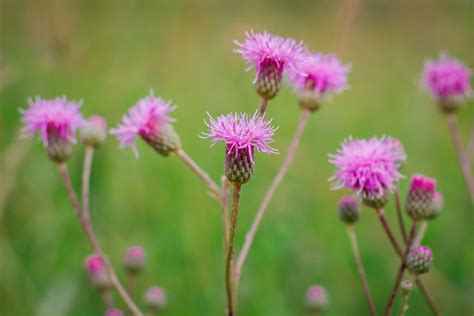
(145, 119)
(113, 312)
(241, 133)
(397, 148)
(134, 259)
(348, 209)
(317, 298)
(95, 266)
(368, 167)
(57, 117)
(155, 298)
(324, 75)
(94, 131)
(263, 49)
(447, 78)
(420, 197)
(419, 259)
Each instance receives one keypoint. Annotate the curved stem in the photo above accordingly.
(421, 233)
(290, 155)
(216, 191)
(360, 267)
(404, 303)
(419, 282)
(398, 207)
(263, 107)
(229, 260)
(87, 227)
(465, 165)
(401, 270)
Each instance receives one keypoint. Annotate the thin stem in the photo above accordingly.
(131, 284)
(87, 227)
(225, 189)
(401, 270)
(107, 297)
(263, 107)
(404, 303)
(419, 282)
(470, 147)
(216, 191)
(290, 155)
(398, 207)
(421, 233)
(229, 260)
(360, 267)
(464, 163)
(86, 174)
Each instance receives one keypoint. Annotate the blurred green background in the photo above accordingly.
(110, 53)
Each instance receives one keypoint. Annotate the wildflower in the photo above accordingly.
(448, 80)
(317, 77)
(437, 207)
(397, 149)
(113, 312)
(242, 134)
(95, 266)
(56, 120)
(149, 119)
(419, 260)
(270, 55)
(94, 131)
(155, 298)
(368, 167)
(134, 259)
(316, 299)
(420, 197)
(348, 209)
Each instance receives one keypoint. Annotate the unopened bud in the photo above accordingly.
(420, 197)
(239, 166)
(316, 299)
(94, 131)
(163, 139)
(134, 259)
(438, 204)
(349, 209)
(97, 272)
(268, 81)
(419, 260)
(406, 286)
(155, 298)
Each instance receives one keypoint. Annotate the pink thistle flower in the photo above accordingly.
(325, 75)
(95, 266)
(113, 312)
(261, 49)
(420, 197)
(134, 259)
(317, 298)
(368, 167)
(54, 118)
(422, 183)
(241, 133)
(145, 119)
(447, 78)
(155, 298)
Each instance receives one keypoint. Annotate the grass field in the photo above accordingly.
(110, 53)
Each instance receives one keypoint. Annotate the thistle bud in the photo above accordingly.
(420, 197)
(239, 166)
(97, 272)
(419, 260)
(94, 131)
(164, 140)
(134, 259)
(349, 209)
(316, 299)
(268, 80)
(376, 202)
(155, 298)
(113, 312)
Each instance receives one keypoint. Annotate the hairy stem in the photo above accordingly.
(216, 191)
(87, 227)
(290, 155)
(463, 161)
(225, 189)
(398, 207)
(360, 267)
(401, 270)
(229, 260)
(419, 282)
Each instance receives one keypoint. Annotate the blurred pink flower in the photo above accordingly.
(113, 312)
(368, 167)
(324, 74)
(264, 49)
(95, 265)
(143, 119)
(58, 116)
(241, 132)
(447, 77)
